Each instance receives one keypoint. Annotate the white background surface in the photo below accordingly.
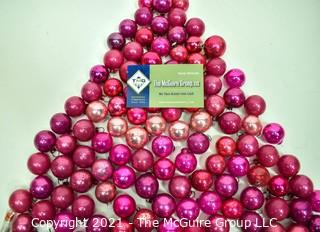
(47, 48)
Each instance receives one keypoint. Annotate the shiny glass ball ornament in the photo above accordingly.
(137, 137)
(179, 130)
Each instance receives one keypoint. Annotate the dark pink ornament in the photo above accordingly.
(162, 6)
(83, 207)
(44, 141)
(160, 25)
(124, 177)
(20, 201)
(195, 27)
(188, 209)
(84, 130)
(252, 198)
(226, 185)
(113, 60)
(164, 169)
(212, 85)
(39, 163)
(268, 155)
(230, 123)
(238, 166)
(163, 205)
(177, 17)
(142, 160)
(162, 146)
(177, 35)
(235, 78)
(171, 114)
(198, 143)
(115, 41)
(62, 167)
(214, 105)
(147, 186)
(41, 187)
(234, 97)
(215, 46)
(99, 74)
(216, 67)
(247, 145)
(66, 144)
(216, 164)
(180, 187)
(81, 181)
(102, 142)
(128, 28)
(186, 161)
(62, 196)
(60, 123)
(210, 202)
(117, 106)
(255, 105)
(91, 92)
(124, 206)
(288, 165)
(43, 210)
(84, 156)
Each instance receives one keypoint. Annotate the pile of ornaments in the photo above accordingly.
(99, 151)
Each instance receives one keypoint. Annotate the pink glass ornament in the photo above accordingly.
(151, 58)
(102, 142)
(186, 162)
(212, 85)
(194, 44)
(238, 166)
(44, 141)
(273, 133)
(156, 125)
(258, 176)
(84, 156)
(198, 143)
(144, 220)
(179, 130)
(115, 41)
(124, 206)
(216, 164)
(112, 87)
(122, 226)
(188, 209)
(60, 123)
(201, 121)
(99, 74)
(64, 222)
(201, 180)
(314, 223)
(102, 169)
(288, 165)
(274, 227)
(66, 144)
(41, 187)
(74, 106)
(234, 97)
(301, 186)
(180, 187)
(252, 125)
(254, 222)
(38, 163)
(105, 192)
(143, 16)
(278, 186)
(218, 224)
(137, 137)
(137, 116)
(83, 207)
(255, 105)
(162, 6)
(147, 186)
(22, 223)
(144, 37)
(252, 198)
(210, 202)
(164, 169)
(81, 181)
(124, 177)
(162, 146)
(133, 51)
(195, 27)
(43, 210)
(62, 197)
(163, 205)
(300, 211)
(117, 126)
(171, 225)
(230, 123)
(177, 35)
(235, 78)
(91, 92)
(62, 167)
(297, 228)
(247, 145)
(268, 155)
(83, 130)
(179, 54)
(182, 4)
(160, 25)
(214, 105)
(216, 67)
(161, 46)
(232, 208)
(315, 200)
(215, 46)
(171, 114)
(20, 201)
(226, 146)
(197, 58)
(226, 185)
(177, 17)
(128, 28)
(120, 154)
(113, 60)
(142, 160)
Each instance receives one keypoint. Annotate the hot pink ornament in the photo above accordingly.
(102, 142)
(235, 78)
(234, 97)
(186, 162)
(98, 223)
(252, 198)
(188, 209)
(210, 202)
(226, 185)
(120, 154)
(164, 169)
(137, 116)
(163, 205)
(124, 206)
(278, 186)
(124, 177)
(273, 133)
(161, 46)
(238, 166)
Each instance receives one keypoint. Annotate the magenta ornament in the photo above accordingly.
(102, 142)
(60, 123)
(186, 161)
(124, 206)
(198, 143)
(180, 187)
(115, 41)
(210, 202)
(44, 141)
(41, 187)
(160, 25)
(278, 185)
(252, 198)
(64, 222)
(83, 207)
(300, 210)
(238, 166)
(99, 74)
(234, 97)
(226, 185)
(120, 154)
(128, 28)
(188, 209)
(164, 169)
(273, 133)
(124, 177)
(301, 186)
(235, 78)
(147, 186)
(230, 123)
(162, 146)
(163, 205)
(162, 6)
